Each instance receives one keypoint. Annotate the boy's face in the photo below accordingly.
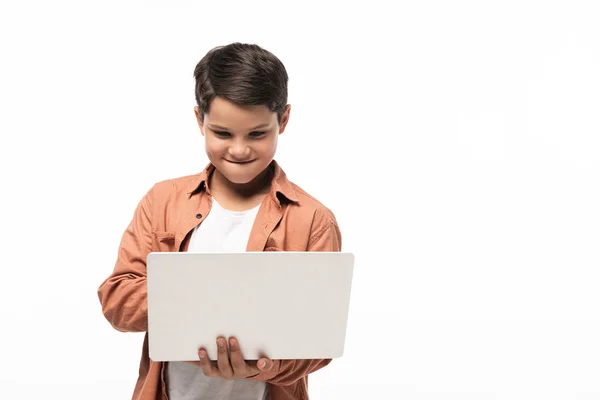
(240, 141)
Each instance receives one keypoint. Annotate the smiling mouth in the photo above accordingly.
(239, 162)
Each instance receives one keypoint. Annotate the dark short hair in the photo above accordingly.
(245, 74)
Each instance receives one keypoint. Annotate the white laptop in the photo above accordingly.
(282, 305)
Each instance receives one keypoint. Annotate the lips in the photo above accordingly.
(239, 162)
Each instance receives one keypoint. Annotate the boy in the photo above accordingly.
(242, 201)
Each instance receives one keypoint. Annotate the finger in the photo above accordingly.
(206, 365)
(237, 359)
(223, 359)
(265, 364)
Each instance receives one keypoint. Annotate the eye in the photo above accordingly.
(257, 134)
(222, 133)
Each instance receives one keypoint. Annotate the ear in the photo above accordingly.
(199, 119)
(285, 118)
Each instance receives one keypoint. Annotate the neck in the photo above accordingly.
(220, 186)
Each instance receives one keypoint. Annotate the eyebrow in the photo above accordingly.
(213, 126)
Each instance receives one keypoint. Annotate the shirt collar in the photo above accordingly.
(280, 185)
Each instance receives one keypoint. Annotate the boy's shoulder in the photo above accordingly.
(178, 188)
(309, 202)
(179, 184)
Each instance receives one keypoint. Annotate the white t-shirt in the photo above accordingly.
(221, 231)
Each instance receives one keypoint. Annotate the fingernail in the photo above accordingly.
(261, 364)
(232, 342)
(220, 343)
(202, 355)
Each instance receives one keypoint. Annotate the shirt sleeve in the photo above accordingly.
(123, 295)
(325, 236)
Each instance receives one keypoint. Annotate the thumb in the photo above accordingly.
(264, 364)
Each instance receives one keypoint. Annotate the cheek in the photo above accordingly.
(213, 146)
(269, 147)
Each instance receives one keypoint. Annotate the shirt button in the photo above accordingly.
(198, 216)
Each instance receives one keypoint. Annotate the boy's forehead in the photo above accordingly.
(227, 114)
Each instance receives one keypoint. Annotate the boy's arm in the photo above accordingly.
(123, 293)
(326, 237)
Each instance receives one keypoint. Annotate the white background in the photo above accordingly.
(456, 142)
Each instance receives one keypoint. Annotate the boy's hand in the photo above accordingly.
(231, 366)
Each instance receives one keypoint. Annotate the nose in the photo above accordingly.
(239, 151)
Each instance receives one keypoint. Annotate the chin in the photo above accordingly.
(241, 174)
(239, 180)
